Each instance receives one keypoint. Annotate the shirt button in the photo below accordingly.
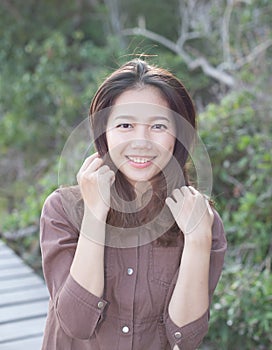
(177, 335)
(100, 304)
(130, 271)
(125, 329)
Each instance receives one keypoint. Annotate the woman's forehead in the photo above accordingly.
(141, 112)
(143, 94)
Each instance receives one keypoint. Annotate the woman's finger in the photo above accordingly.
(193, 190)
(185, 190)
(103, 170)
(109, 176)
(87, 171)
(170, 203)
(177, 195)
(89, 160)
(94, 166)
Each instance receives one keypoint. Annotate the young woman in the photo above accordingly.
(132, 255)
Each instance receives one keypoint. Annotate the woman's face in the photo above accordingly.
(140, 133)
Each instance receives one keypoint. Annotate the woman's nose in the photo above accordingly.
(141, 138)
(141, 144)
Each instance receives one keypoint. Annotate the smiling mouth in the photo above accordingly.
(140, 160)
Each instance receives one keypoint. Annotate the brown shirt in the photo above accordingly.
(139, 281)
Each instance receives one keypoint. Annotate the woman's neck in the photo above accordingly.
(141, 188)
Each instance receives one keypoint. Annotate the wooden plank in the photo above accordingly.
(9, 258)
(23, 311)
(6, 254)
(21, 296)
(26, 344)
(19, 283)
(22, 270)
(23, 303)
(7, 264)
(2, 245)
(21, 329)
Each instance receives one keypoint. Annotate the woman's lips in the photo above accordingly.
(140, 162)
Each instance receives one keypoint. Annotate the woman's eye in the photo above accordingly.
(159, 127)
(124, 126)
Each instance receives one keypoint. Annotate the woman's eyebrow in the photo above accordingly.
(159, 117)
(134, 118)
(124, 116)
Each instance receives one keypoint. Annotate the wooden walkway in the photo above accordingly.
(23, 303)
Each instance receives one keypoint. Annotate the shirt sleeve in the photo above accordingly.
(77, 310)
(190, 336)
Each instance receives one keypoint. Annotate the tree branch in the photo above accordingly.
(225, 32)
(192, 64)
(212, 72)
(254, 54)
(155, 37)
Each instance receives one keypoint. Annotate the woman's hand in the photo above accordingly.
(193, 215)
(192, 212)
(95, 180)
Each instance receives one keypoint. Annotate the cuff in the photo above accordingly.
(78, 310)
(188, 337)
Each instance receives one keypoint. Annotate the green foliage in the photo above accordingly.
(241, 316)
(53, 90)
(164, 19)
(49, 71)
(238, 138)
(26, 212)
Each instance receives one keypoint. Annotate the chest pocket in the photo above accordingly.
(163, 264)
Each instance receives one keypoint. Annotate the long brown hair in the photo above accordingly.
(135, 74)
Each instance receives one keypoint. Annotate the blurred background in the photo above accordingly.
(53, 56)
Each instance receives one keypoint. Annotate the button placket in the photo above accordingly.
(129, 261)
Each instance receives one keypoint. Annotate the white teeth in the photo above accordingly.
(139, 160)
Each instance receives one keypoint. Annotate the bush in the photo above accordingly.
(241, 315)
(238, 138)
